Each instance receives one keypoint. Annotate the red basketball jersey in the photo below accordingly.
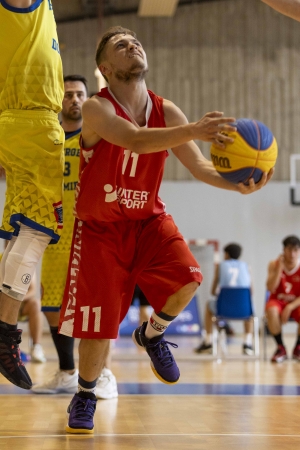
(116, 183)
(289, 286)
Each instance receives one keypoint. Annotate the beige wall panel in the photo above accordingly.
(236, 56)
(78, 47)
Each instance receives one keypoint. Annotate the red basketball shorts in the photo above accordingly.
(107, 261)
(280, 305)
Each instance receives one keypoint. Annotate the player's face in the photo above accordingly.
(291, 254)
(126, 58)
(75, 96)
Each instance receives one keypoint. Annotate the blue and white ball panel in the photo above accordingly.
(253, 152)
(243, 174)
(255, 133)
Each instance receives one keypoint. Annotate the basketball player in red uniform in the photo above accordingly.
(123, 235)
(284, 302)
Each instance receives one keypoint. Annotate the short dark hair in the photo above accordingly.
(233, 250)
(76, 78)
(112, 31)
(291, 241)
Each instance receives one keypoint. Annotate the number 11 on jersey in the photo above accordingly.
(135, 157)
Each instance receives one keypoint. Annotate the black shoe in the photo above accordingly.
(162, 363)
(81, 412)
(11, 365)
(248, 350)
(204, 348)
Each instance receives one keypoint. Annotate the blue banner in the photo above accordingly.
(187, 323)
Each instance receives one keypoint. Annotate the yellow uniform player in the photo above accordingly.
(56, 257)
(31, 86)
(31, 152)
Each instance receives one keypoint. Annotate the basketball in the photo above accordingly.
(253, 152)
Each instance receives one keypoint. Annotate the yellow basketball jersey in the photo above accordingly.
(30, 63)
(72, 153)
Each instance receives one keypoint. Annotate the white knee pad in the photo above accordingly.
(21, 261)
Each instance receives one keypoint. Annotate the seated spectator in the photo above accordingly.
(229, 273)
(283, 283)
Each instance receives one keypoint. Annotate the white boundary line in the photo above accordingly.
(42, 436)
(285, 396)
(261, 396)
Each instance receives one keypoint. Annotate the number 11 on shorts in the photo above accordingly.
(86, 315)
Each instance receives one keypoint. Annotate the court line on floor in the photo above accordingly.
(217, 389)
(42, 436)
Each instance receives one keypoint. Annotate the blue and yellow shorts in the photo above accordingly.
(32, 154)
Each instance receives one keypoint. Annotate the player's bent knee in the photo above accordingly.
(272, 312)
(22, 260)
(191, 288)
(185, 294)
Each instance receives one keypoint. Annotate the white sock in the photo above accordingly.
(208, 339)
(248, 339)
(82, 389)
(156, 326)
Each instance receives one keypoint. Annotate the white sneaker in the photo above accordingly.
(106, 387)
(60, 382)
(37, 354)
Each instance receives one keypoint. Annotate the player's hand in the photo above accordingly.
(211, 128)
(286, 313)
(253, 187)
(280, 263)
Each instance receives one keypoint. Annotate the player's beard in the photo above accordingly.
(74, 115)
(132, 74)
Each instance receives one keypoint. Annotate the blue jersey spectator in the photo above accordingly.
(229, 273)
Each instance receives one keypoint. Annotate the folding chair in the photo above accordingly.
(234, 303)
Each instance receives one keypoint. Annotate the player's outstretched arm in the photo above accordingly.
(203, 170)
(20, 3)
(290, 8)
(100, 121)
